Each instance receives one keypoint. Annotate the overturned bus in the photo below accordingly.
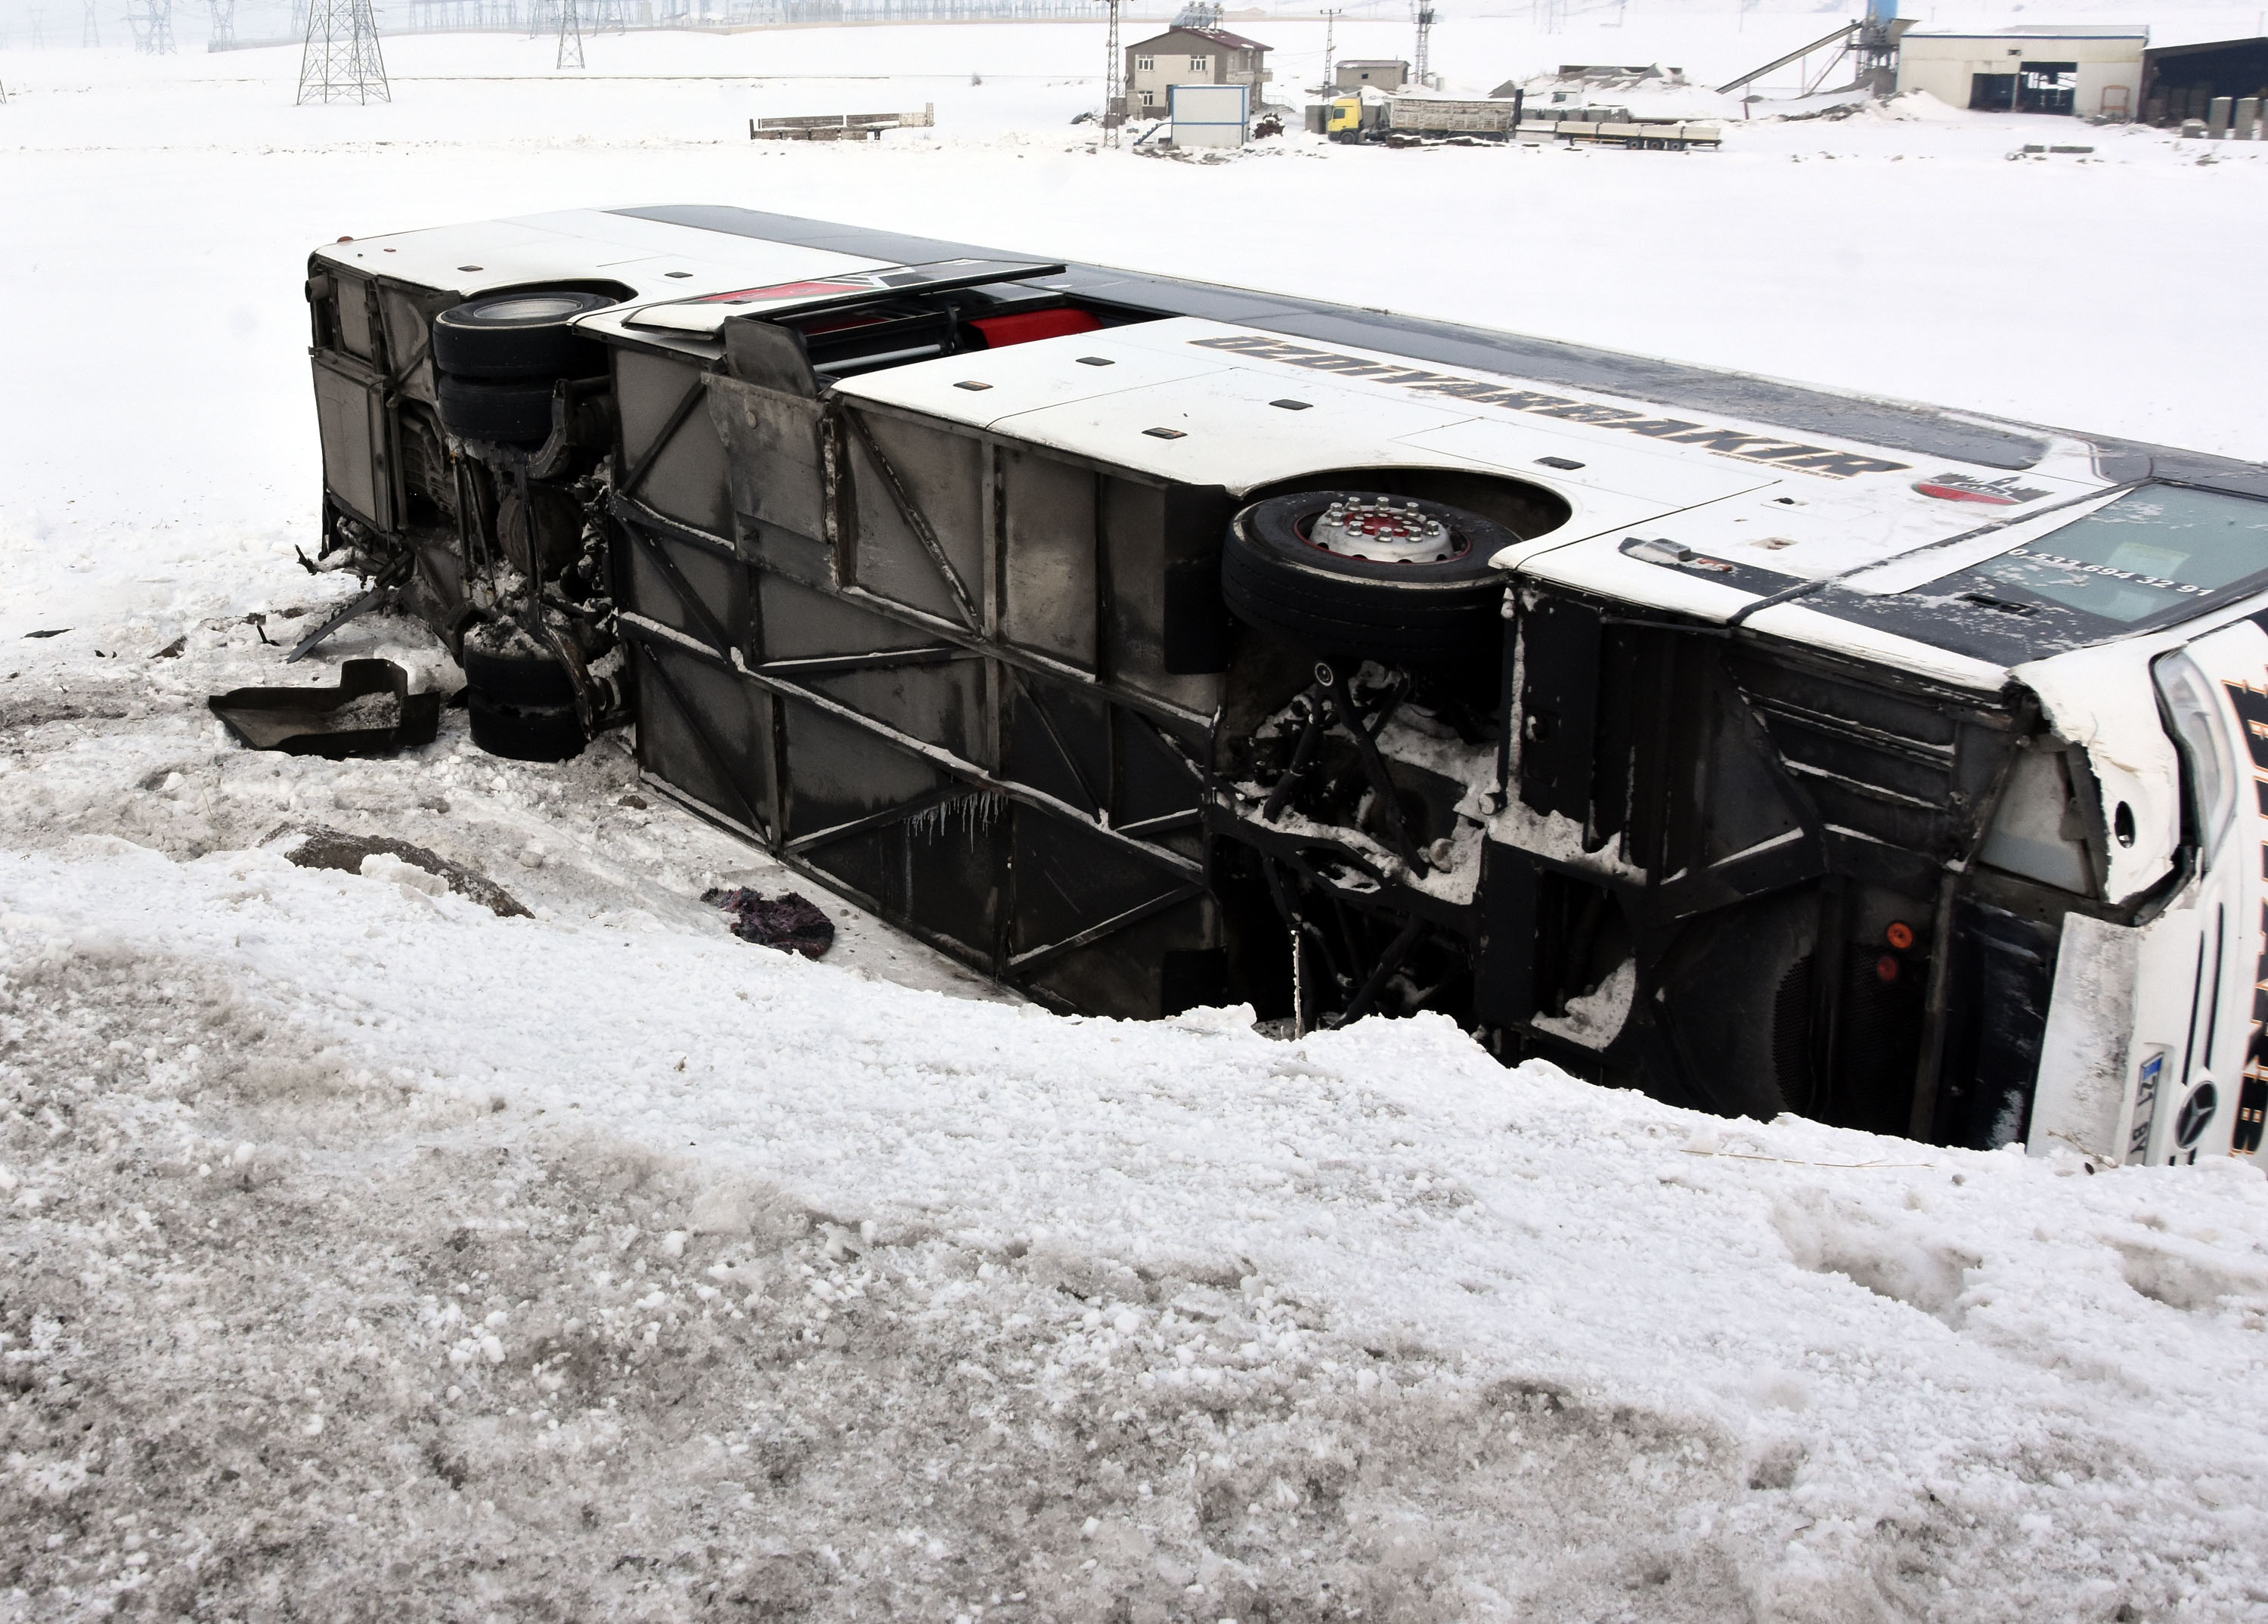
(1151, 645)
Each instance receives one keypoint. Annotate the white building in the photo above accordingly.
(1378, 73)
(1212, 115)
(2091, 72)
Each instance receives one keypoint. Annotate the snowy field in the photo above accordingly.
(366, 1253)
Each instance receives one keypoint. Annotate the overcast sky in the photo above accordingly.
(61, 23)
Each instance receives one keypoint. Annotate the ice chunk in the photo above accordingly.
(385, 866)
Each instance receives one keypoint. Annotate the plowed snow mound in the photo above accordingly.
(367, 1252)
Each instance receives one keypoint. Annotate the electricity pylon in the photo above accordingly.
(342, 61)
(153, 27)
(1114, 84)
(570, 35)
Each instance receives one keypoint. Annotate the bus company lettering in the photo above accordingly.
(1749, 448)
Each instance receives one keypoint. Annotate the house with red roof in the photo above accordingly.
(1186, 56)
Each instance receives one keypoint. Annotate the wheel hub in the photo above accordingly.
(1379, 530)
(531, 307)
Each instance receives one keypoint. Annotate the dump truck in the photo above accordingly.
(1392, 120)
(1150, 645)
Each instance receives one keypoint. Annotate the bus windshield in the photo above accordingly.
(2152, 550)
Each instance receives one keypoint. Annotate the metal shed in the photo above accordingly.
(2181, 81)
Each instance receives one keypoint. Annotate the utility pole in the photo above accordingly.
(1422, 64)
(1114, 84)
(342, 61)
(1330, 51)
(570, 35)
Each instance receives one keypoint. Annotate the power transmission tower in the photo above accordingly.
(570, 35)
(223, 25)
(38, 32)
(1330, 52)
(610, 17)
(1114, 84)
(1421, 64)
(153, 27)
(342, 61)
(90, 33)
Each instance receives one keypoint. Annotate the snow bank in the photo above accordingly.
(624, 1261)
(1917, 107)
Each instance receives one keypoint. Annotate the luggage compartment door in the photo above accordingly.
(350, 413)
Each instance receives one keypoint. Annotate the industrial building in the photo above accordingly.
(1182, 56)
(2092, 71)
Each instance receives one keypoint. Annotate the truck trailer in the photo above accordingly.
(1151, 645)
(1417, 118)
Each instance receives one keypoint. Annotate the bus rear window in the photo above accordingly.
(2155, 550)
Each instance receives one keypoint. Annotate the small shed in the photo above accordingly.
(2092, 70)
(1210, 116)
(1379, 75)
(1185, 56)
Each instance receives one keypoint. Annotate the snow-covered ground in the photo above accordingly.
(365, 1251)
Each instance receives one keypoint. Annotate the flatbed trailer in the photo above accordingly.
(1650, 136)
(1148, 645)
